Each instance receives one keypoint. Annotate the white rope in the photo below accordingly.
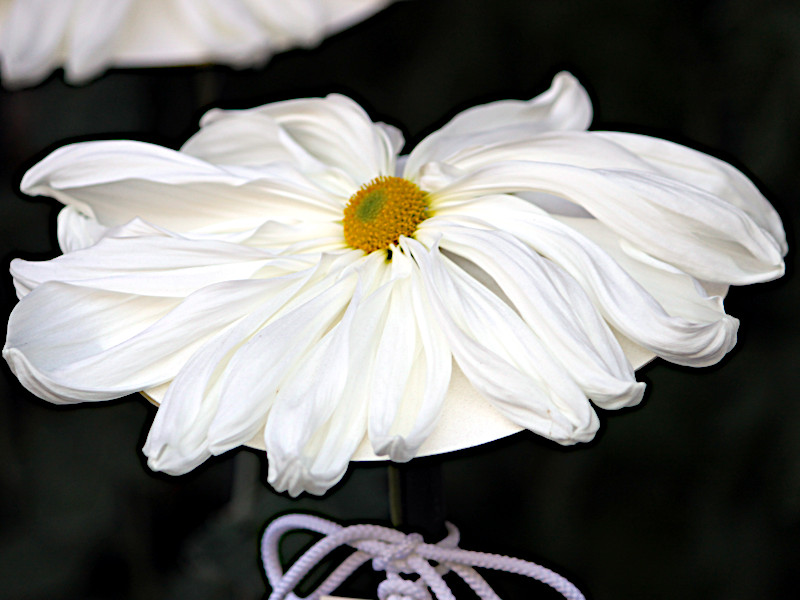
(397, 554)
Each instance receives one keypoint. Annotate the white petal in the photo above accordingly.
(248, 138)
(411, 369)
(336, 131)
(68, 343)
(116, 181)
(31, 40)
(260, 367)
(501, 356)
(178, 438)
(706, 172)
(622, 301)
(94, 28)
(554, 306)
(314, 427)
(577, 148)
(253, 138)
(152, 265)
(76, 231)
(89, 35)
(675, 222)
(678, 293)
(565, 106)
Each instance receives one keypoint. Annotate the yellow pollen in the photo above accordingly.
(381, 211)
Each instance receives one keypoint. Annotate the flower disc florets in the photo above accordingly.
(383, 210)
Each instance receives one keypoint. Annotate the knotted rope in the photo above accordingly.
(397, 554)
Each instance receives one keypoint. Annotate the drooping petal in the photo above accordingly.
(565, 106)
(676, 222)
(57, 333)
(500, 355)
(69, 343)
(553, 305)
(314, 426)
(178, 438)
(411, 368)
(260, 367)
(622, 301)
(116, 181)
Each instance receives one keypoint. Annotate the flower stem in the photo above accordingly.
(416, 497)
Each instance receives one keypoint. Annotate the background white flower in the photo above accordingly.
(221, 280)
(88, 36)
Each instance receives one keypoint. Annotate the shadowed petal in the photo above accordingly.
(554, 306)
(501, 356)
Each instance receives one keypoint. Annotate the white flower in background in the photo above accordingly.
(286, 280)
(88, 36)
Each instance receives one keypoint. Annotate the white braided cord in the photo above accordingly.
(395, 553)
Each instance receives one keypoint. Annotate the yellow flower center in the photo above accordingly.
(383, 210)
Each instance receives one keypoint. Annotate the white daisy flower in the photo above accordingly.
(286, 281)
(88, 36)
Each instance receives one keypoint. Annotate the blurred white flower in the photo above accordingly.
(88, 36)
(286, 280)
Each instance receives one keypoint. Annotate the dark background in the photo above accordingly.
(695, 494)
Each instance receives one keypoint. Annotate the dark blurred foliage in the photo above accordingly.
(695, 494)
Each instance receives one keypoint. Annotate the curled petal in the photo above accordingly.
(76, 231)
(246, 138)
(679, 294)
(315, 456)
(565, 106)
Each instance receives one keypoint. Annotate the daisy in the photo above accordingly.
(88, 36)
(287, 280)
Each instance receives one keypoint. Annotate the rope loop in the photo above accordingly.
(397, 588)
(397, 554)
